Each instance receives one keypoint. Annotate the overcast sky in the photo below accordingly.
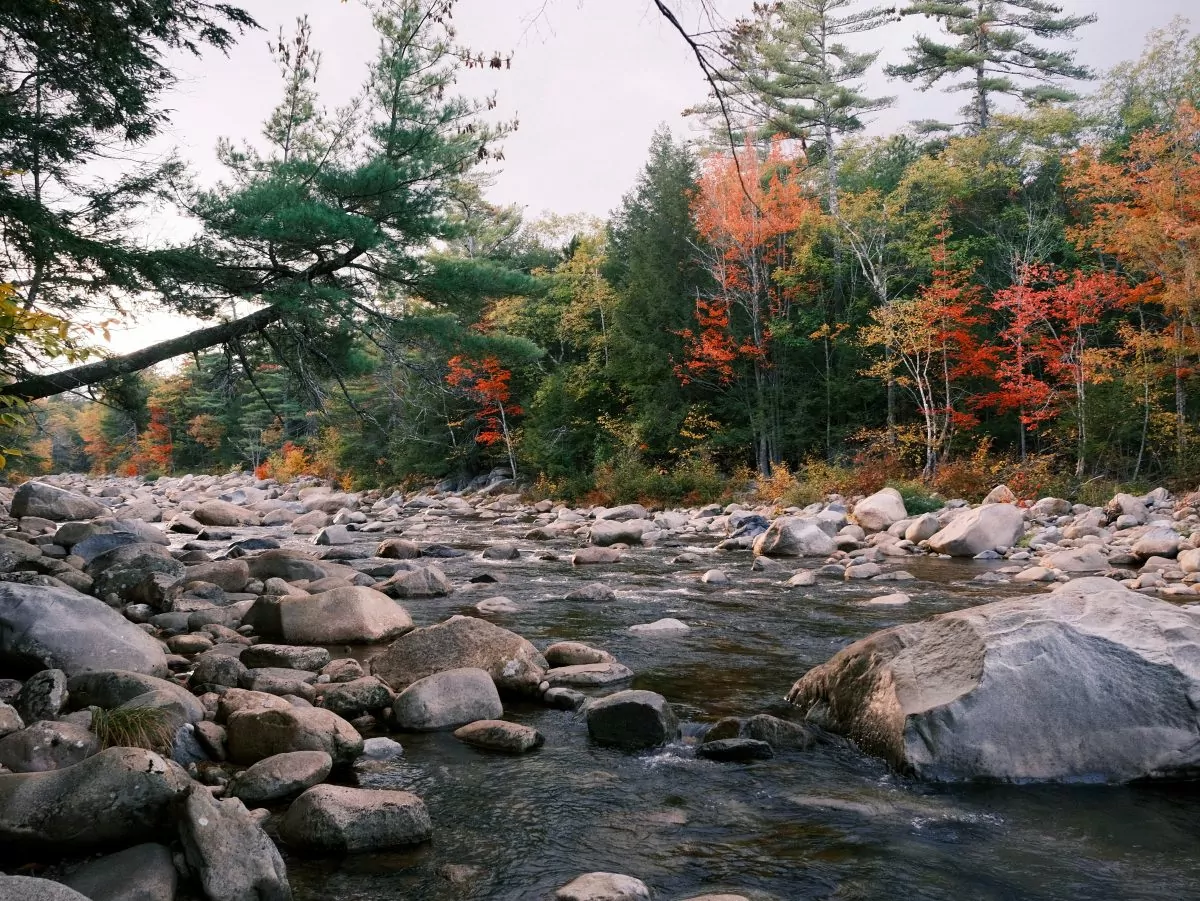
(591, 80)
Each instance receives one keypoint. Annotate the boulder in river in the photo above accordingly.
(497, 735)
(985, 528)
(632, 720)
(350, 614)
(280, 777)
(339, 819)
(515, 665)
(1090, 683)
(255, 733)
(52, 628)
(448, 699)
(794, 536)
(29, 888)
(50, 502)
(603, 887)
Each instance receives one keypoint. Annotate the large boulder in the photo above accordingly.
(47, 745)
(447, 700)
(515, 665)
(794, 536)
(120, 796)
(610, 531)
(1091, 682)
(141, 873)
(632, 720)
(339, 819)
(222, 513)
(282, 776)
(985, 528)
(52, 628)
(881, 510)
(422, 582)
(350, 614)
(112, 688)
(256, 733)
(1086, 559)
(49, 502)
(29, 888)
(226, 846)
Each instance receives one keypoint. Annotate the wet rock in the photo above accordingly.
(398, 549)
(609, 532)
(632, 720)
(667, 626)
(593, 591)
(588, 675)
(257, 733)
(1090, 682)
(288, 564)
(352, 699)
(502, 552)
(351, 614)
(214, 669)
(280, 681)
(120, 796)
(289, 656)
(721, 897)
(792, 536)
(603, 887)
(497, 735)
(593, 555)
(715, 577)
(141, 873)
(49, 502)
(229, 575)
(889, 600)
(735, 750)
(447, 700)
(43, 696)
(424, 582)
(280, 777)
(564, 698)
(29, 888)
(337, 819)
(802, 579)
(982, 529)
(346, 669)
(47, 745)
(227, 847)
(514, 664)
(235, 699)
(573, 653)
(497, 606)
(781, 734)
(880, 510)
(50, 628)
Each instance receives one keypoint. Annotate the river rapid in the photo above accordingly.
(826, 823)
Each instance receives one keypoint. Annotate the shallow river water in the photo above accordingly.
(824, 823)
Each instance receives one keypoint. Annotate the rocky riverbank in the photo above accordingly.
(268, 628)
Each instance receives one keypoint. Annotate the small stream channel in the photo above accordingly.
(828, 823)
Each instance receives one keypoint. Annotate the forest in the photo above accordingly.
(789, 299)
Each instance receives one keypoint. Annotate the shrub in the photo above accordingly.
(918, 499)
(133, 727)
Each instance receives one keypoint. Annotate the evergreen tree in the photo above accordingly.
(993, 43)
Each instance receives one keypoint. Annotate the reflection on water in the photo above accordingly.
(827, 823)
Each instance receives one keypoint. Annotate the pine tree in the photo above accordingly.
(993, 44)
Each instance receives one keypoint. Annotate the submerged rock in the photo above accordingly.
(1091, 682)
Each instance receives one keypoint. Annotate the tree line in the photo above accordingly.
(1010, 293)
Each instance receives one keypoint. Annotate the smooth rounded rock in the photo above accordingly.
(279, 777)
(498, 735)
(337, 819)
(632, 720)
(447, 700)
(603, 887)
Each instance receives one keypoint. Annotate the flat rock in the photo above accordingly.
(280, 777)
(573, 653)
(498, 735)
(603, 887)
(338, 819)
(667, 626)
(588, 675)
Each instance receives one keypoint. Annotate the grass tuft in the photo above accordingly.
(134, 727)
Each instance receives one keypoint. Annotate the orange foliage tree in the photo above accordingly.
(1143, 210)
(487, 383)
(756, 217)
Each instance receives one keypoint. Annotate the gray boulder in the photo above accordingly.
(112, 688)
(28, 888)
(603, 887)
(515, 665)
(120, 796)
(632, 720)
(222, 513)
(40, 499)
(448, 699)
(338, 819)
(359, 696)
(607, 532)
(1091, 682)
(43, 696)
(982, 529)
(351, 614)
(423, 582)
(793, 536)
(141, 873)
(10, 720)
(878, 512)
(280, 777)
(227, 847)
(256, 733)
(285, 655)
(47, 745)
(51, 628)
(497, 735)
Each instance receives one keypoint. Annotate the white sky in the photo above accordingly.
(591, 80)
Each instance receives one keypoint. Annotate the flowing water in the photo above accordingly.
(823, 823)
